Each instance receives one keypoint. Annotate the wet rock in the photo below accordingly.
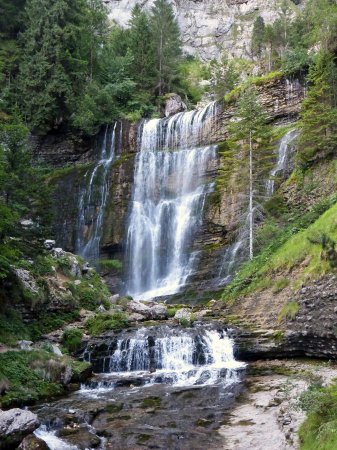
(81, 437)
(15, 424)
(32, 442)
(114, 299)
(200, 314)
(82, 373)
(174, 105)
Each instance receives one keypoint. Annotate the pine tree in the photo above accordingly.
(167, 45)
(141, 47)
(319, 111)
(258, 37)
(250, 147)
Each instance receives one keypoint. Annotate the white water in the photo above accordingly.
(168, 200)
(283, 151)
(53, 442)
(181, 358)
(93, 199)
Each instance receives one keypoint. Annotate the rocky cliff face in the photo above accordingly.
(281, 98)
(209, 27)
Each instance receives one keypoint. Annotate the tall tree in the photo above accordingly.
(167, 45)
(258, 37)
(141, 48)
(319, 110)
(250, 144)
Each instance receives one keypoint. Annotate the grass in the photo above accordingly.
(289, 251)
(71, 339)
(289, 311)
(319, 431)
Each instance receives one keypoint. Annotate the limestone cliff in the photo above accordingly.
(210, 27)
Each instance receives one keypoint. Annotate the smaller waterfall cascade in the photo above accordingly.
(173, 356)
(284, 150)
(170, 188)
(94, 197)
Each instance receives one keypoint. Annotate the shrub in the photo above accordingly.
(114, 264)
(71, 339)
(105, 321)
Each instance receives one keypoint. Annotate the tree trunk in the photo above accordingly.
(251, 222)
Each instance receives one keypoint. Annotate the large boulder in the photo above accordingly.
(139, 308)
(159, 312)
(174, 105)
(183, 314)
(15, 424)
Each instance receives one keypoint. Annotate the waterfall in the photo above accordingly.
(93, 199)
(284, 149)
(175, 356)
(170, 187)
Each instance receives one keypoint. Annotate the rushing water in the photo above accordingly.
(168, 200)
(93, 198)
(169, 355)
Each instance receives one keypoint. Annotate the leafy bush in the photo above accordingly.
(71, 339)
(104, 322)
(30, 376)
(110, 264)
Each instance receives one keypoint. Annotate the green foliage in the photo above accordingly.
(280, 284)
(90, 292)
(114, 264)
(12, 328)
(289, 311)
(319, 431)
(167, 46)
(50, 321)
(258, 36)
(71, 339)
(105, 322)
(288, 247)
(30, 375)
(192, 72)
(319, 110)
(171, 311)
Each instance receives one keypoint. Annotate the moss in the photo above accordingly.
(151, 402)
(114, 408)
(171, 312)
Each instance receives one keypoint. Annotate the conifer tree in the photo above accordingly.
(319, 111)
(141, 47)
(258, 37)
(167, 45)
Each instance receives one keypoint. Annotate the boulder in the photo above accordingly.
(200, 314)
(49, 244)
(26, 280)
(113, 299)
(32, 442)
(183, 314)
(139, 308)
(174, 105)
(58, 252)
(25, 345)
(135, 317)
(15, 424)
(159, 312)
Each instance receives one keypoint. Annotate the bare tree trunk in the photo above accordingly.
(251, 222)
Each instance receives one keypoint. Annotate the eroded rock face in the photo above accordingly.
(209, 27)
(15, 424)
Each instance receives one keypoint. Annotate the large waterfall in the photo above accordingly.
(168, 355)
(170, 186)
(94, 197)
